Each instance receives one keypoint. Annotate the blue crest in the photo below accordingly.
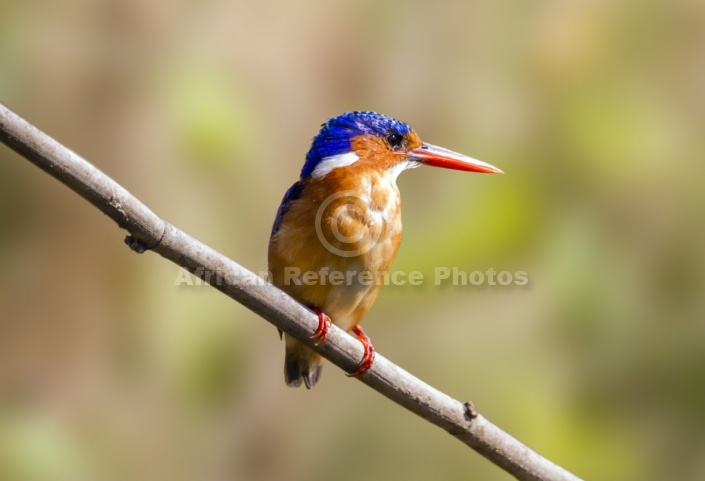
(335, 135)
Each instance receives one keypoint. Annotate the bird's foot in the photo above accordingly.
(323, 323)
(368, 358)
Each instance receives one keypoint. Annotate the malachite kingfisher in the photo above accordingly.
(338, 227)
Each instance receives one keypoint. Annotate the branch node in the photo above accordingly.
(136, 245)
(470, 410)
(140, 247)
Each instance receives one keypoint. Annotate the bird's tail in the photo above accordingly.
(301, 364)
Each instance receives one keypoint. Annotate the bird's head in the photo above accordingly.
(368, 141)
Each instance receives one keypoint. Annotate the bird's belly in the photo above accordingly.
(344, 287)
(333, 254)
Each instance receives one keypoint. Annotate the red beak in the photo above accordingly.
(439, 157)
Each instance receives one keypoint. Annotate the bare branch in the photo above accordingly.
(148, 231)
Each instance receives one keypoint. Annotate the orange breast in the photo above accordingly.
(337, 243)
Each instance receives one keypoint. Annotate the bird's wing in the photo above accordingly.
(291, 195)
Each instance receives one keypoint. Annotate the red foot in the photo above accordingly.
(322, 331)
(368, 358)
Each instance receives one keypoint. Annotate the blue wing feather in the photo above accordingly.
(290, 197)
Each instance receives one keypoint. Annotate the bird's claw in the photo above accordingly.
(323, 323)
(368, 358)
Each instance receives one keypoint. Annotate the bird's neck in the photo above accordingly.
(377, 188)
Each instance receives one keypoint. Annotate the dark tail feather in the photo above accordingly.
(312, 374)
(296, 370)
(292, 373)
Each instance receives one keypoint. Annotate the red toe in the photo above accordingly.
(368, 358)
(323, 323)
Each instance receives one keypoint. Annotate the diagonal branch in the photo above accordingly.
(149, 232)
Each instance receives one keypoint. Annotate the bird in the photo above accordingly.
(338, 227)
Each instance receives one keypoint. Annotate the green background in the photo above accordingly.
(204, 110)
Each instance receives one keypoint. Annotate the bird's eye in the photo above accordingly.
(395, 141)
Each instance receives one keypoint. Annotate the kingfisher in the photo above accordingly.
(338, 227)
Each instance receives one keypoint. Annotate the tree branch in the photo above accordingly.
(148, 231)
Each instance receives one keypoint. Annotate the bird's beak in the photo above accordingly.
(439, 157)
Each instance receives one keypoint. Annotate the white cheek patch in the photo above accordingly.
(397, 169)
(333, 162)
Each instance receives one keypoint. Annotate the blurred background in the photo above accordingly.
(110, 370)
